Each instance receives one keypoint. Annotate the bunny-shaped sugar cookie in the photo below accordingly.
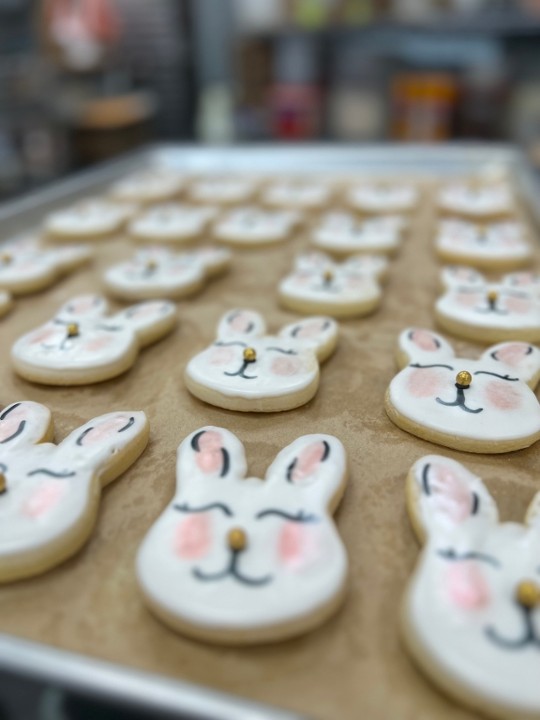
(246, 369)
(155, 272)
(342, 233)
(471, 615)
(252, 226)
(298, 193)
(478, 310)
(82, 345)
(89, 219)
(243, 560)
(485, 405)
(348, 289)
(27, 267)
(490, 246)
(478, 201)
(383, 197)
(49, 494)
(171, 223)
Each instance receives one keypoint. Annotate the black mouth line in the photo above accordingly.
(231, 571)
(529, 637)
(488, 310)
(459, 402)
(240, 373)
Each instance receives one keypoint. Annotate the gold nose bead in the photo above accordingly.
(237, 539)
(250, 355)
(72, 330)
(151, 264)
(528, 594)
(463, 378)
(328, 276)
(3, 483)
(492, 295)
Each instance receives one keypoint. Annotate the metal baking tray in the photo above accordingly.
(165, 697)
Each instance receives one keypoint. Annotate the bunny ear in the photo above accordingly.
(317, 333)
(241, 323)
(520, 358)
(213, 259)
(314, 464)
(148, 320)
(443, 496)
(458, 276)
(367, 264)
(69, 257)
(24, 423)
(108, 444)
(210, 453)
(419, 345)
(312, 261)
(83, 306)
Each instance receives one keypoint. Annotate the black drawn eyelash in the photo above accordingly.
(451, 554)
(211, 506)
(51, 473)
(423, 367)
(502, 377)
(299, 517)
(285, 352)
(233, 342)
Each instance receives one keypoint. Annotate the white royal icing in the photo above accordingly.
(285, 364)
(500, 404)
(93, 216)
(251, 225)
(294, 562)
(474, 200)
(317, 279)
(101, 342)
(342, 232)
(461, 605)
(383, 197)
(157, 272)
(223, 189)
(513, 304)
(25, 266)
(148, 185)
(171, 221)
(298, 194)
(490, 242)
(49, 488)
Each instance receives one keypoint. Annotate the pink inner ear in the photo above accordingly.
(209, 459)
(309, 330)
(512, 353)
(424, 340)
(192, 536)
(452, 496)
(45, 498)
(240, 322)
(83, 305)
(10, 425)
(308, 461)
(104, 430)
(466, 585)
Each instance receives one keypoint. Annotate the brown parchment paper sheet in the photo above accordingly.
(352, 667)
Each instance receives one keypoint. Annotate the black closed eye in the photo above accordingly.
(233, 342)
(204, 508)
(300, 516)
(281, 350)
(451, 554)
(423, 367)
(52, 473)
(502, 377)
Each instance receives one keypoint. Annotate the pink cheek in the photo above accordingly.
(520, 306)
(301, 279)
(466, 586)
(45, 498)
(98, 344)
(298, 546)
(426, 383)
(222, 356)
(468, 300)
(192, 537)
(502, 395)
(286, 366)
(178, 270)
(355, 283)
(42, 336)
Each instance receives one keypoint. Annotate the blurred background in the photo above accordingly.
(84, 80)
